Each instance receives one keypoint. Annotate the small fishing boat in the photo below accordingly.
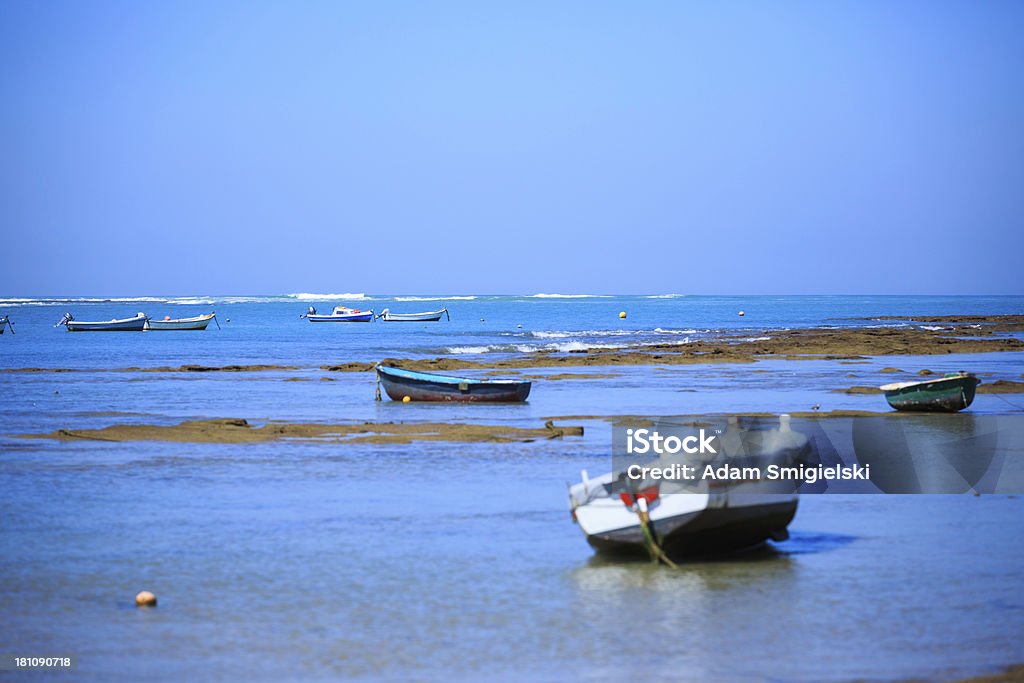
(948, 394)
(424, 386)
(134, 324)
(428, 317)
(5, 322)
(671, 521)
(198, 322)
(340, 314)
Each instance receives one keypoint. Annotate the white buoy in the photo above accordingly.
(742, 314)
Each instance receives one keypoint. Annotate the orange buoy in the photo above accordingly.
(145, 599)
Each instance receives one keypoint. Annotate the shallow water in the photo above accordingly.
(327, 561)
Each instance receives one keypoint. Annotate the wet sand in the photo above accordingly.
(237, 430)
(807, 344)
(1014, 674)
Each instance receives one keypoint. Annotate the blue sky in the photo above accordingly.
(511, 147)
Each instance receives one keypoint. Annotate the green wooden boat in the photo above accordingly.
(948, 394)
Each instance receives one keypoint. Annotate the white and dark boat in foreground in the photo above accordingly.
(669, 522)
(427, 317)
(134, 324)
(683, 524)
(340, 314)
(198, 322)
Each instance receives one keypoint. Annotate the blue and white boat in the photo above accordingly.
(340, 314)
(134, 324)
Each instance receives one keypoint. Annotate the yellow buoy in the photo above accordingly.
(622, 314)
(145, 599)
(406, 399)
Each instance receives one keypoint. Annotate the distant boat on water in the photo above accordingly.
(134, 324)
(948, 394)
(425, 386)
(428, 317)
(340, 314)
(198, 322)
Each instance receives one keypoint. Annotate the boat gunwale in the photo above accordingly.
(897, 386)
(415, 375)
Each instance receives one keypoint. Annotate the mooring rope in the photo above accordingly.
(650, 541)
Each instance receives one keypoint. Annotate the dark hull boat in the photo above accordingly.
(424, 386)
(947, 394)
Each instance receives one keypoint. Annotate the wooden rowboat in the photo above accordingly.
(947, 394)
(340, 314)
(5, 322)
(199, 322)
(134, 324)
(428, 317)
(425, 386)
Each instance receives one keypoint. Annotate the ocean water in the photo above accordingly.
(324, 561)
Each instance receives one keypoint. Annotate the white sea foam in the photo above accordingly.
(434, 298)
(557, 334)
(191, 301)
(660, 330)
(58, 301)
(557, 347)
(665, 296)
(307, 296)
(569, 296)
(469, 349)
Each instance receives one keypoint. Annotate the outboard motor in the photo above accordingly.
(65, 320)
(311, 311)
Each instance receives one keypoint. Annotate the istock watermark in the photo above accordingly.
(886, 453)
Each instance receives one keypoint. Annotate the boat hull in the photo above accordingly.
(944, 395)
(351, 318)
(137, 324)
(199, 323)
(440, 388)
(427, 317)
(710, 531)
(412, 317)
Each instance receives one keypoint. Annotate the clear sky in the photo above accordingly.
(511, 147)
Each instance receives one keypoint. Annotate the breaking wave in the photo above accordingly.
(307, 296)
(665, 296)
